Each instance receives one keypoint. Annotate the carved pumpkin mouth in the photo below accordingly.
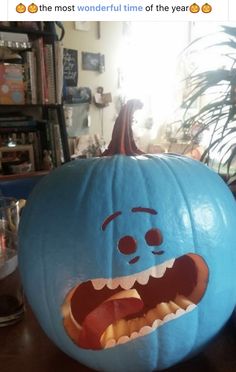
(103, 313)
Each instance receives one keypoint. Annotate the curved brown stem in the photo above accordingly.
(122, 141)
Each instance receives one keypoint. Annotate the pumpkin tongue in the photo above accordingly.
(122, 141)
(120, 305)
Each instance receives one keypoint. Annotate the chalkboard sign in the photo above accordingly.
(70, 67)
(93, 61)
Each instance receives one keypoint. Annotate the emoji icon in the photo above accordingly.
(20, 8)
(194, 8)
(33, 8)
(206, 8)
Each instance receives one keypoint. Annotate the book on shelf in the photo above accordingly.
(40, 71)
(31, 83)
(14, 116)
(34, 139)
(58, 145)
(50, 73)
(18, 124)
(37, 77)
(54, 146)
(41, 134)
(12, 90)
(12, 36)
(27, 135)
(54, 140)
(39, 74)
(59, 70)
(16, 41)
(17, 129)
(45, 72)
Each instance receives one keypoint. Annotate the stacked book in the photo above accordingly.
(40, 74)
(12, 91)
(33, 76)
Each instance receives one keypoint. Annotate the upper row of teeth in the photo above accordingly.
(127, 282)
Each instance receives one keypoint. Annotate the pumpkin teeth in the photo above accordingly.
(98, 284)
(164, 299)
(127, 282)
(124, 331)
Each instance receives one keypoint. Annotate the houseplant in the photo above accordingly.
(210, 101)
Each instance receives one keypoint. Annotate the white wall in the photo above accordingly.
(108, 44)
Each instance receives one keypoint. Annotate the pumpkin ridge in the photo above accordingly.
(140, 168)
(46, 296)
(174, 176)
(156, 162)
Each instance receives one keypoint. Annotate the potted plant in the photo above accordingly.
(209, 103)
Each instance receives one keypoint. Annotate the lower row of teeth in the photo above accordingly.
(123, 330)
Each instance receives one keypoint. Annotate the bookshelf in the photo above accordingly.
(31, 109)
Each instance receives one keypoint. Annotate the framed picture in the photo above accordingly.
(82, 26)
(17, 159)
(93, 61)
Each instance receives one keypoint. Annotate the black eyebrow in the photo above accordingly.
(109, 219)
(142, 209)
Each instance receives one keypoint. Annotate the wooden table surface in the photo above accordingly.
(25, 348)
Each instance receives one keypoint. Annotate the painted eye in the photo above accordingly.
(127, 245)
(153, 237)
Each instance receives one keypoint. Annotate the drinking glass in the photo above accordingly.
(11, 293)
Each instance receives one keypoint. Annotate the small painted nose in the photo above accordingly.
(127, 245)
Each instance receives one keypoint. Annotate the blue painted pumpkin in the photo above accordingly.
(129, 261)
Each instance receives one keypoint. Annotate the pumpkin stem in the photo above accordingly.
(122, 141)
